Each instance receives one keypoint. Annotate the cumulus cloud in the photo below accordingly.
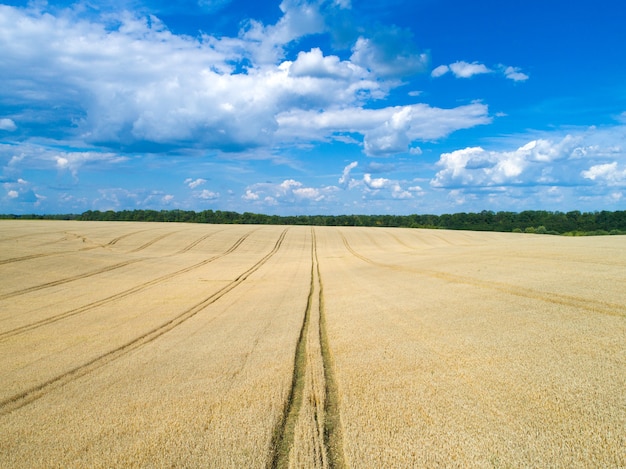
(289, 191)
(375, 183)
(462, 69)
(440, 71)
(128, 82)
(7, 124)
(385, 131)
(611, 174)
(193, 183)
(391, 52)
(345, 178)
(23, 192)
(533, 162)
(385, 186)
(515, 74)
(206, 194)
(314, 64)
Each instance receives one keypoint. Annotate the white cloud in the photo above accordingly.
(389, 53)
(540, 161)
(384, 187)
(73, 161)
(193, 183)
(266, 43)
(7, 124)
(386, 131)
(398, 193)
(515, 74)
(207, 195)
(375, 183)
(250, 195)
(131, 83)
(345, 175)
(463, 69)
(138, 82)
(12, 194)
(308, 193)
(314, 64)
(440, 71)
(289, 191)
(611, 174)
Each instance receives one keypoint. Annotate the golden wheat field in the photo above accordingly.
(182, 345)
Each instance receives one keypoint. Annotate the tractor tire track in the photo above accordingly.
(60, 253)
(594, 306)
(32, 256)
(333, 432)
(62, 281)
(311, 404)
(196, 242)
(67, 314)
(30, 395)
(155, 240)
(114, 241)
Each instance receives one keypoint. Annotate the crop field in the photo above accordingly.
(243, 346)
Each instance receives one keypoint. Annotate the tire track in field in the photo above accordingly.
(594, 306)
(67, 314)
(28, 235)
(196, 242)
(88, 274)
(32, 256)
(114, 241)
(47, 254)
(55, 283)
(309, 431)
(153, 241)
(30, 395)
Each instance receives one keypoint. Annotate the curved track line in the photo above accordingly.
(34, 325)
(189, 247)
(119, 238)
(28, 235)
(68, 279)
(32, 256)
(26, 397)
(594, 306)
(155, 240)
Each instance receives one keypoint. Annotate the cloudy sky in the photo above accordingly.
(312, 106)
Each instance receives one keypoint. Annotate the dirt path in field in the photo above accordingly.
(309, 433)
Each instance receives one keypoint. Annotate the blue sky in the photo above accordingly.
(312, 107)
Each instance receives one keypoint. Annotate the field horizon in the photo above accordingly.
(187, 345)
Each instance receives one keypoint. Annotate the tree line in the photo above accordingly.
(531, 221)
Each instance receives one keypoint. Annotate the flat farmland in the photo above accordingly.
(189, 345)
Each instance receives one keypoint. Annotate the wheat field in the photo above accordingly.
(183, 345)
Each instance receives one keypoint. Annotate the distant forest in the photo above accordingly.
(572, 223)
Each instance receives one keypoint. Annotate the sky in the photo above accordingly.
(312, 106)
